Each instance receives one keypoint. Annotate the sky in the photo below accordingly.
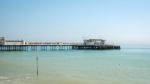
(123, 22)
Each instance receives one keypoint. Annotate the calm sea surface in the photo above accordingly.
(125, 66)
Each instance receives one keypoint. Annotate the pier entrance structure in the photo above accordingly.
(2, 40)
(20, 45)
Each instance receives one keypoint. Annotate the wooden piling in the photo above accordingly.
(37, 69)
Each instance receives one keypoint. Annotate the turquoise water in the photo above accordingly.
(125, 66)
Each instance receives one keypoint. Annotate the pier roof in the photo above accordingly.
(96, 39)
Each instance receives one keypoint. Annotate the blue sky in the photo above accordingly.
(124, 22)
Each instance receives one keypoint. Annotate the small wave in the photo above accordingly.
(28, 78)
(3, 78)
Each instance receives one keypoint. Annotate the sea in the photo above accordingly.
(124, 66)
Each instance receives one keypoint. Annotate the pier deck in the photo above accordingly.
(55, 47)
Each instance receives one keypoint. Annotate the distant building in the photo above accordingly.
(94, 42)
(14, 42)
(3, 41)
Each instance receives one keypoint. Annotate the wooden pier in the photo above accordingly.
(20, 45)
(55, 47)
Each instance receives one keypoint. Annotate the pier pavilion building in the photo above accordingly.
(3, 41)
(95, 42)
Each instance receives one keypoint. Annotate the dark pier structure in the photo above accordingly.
(93, 47)
(54, 47)
(20, 45)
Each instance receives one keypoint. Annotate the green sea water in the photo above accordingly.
(125, 66)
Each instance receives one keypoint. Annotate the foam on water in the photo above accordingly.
(3, 78)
